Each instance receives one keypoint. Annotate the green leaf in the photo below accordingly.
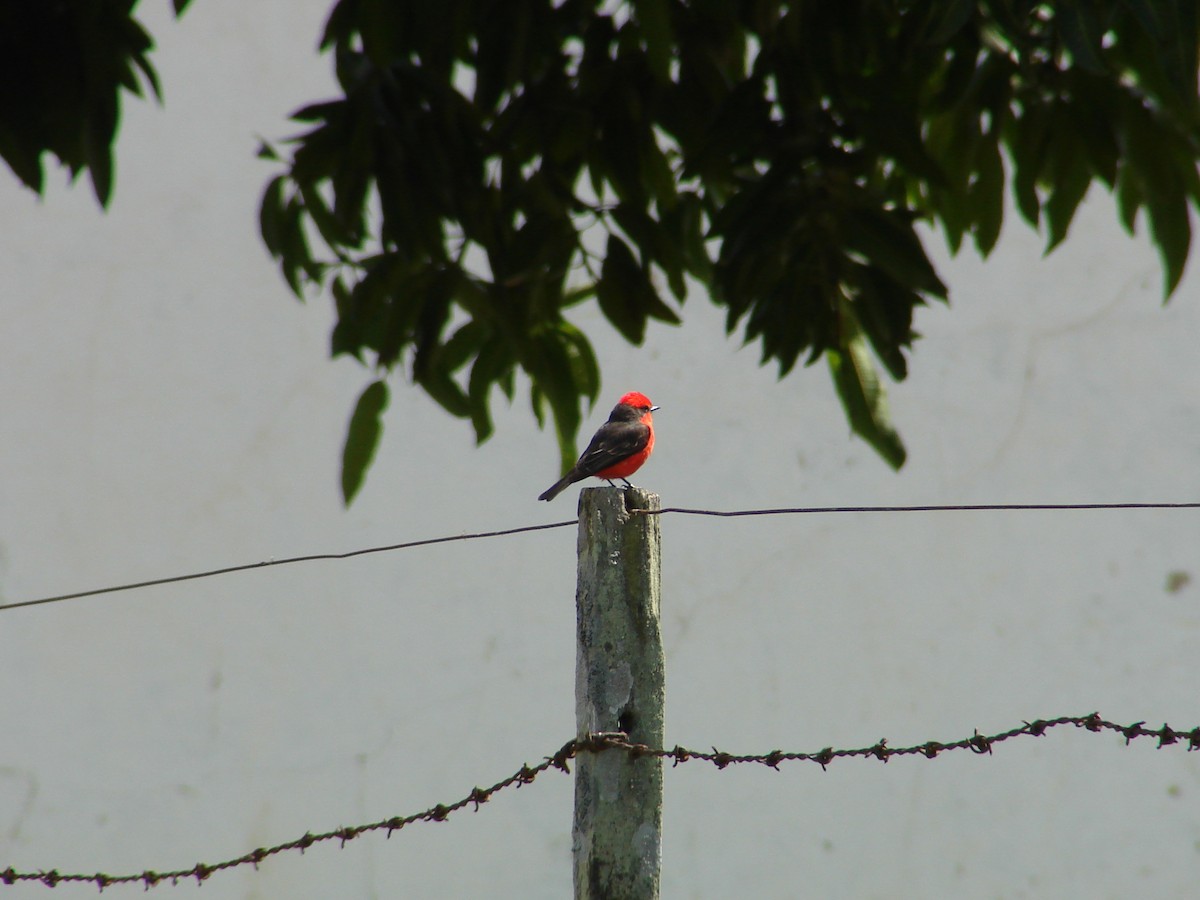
(432, 365)
(1129, 196)
(462, 346)
(326, 110)
(654, 16)
(890, 123)
(657, 171)
(362, 438)
(432, 299)
(322, 216)
(377, 312)
(98, 137)
(1066, 195)
(1093, 114)
(1069, 176)
(951, 138)
(585, 370)
(655, 242)
(685, 224)
(148, 72)
(1171, 26)
(1025, 137)
(550, 368)
(446, 391)
(954, 14)
(1082, 33)
(987, 195)
(954, 210)
(492, 363)
(1163, 172)
(884, 309)
(294, 255)
(863, 396)
(1150, 14)
(1171, 231)
(270, 216)
(575, 296)
(886, 238)
(626, 295)
(537, 402)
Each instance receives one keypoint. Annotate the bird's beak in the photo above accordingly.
(653, 408)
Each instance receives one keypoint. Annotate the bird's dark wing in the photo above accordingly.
(614, 442)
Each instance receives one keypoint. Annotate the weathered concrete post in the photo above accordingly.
(619, 686)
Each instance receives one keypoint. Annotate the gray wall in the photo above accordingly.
(167, 407)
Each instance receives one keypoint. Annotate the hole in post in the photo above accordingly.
(627, 721)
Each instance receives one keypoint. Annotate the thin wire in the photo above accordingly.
(970, 507)
(738, 513)
(283, 562)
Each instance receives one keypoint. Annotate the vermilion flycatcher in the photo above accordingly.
(618, 449)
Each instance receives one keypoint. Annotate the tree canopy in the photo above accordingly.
(488, 166)
(62, 69)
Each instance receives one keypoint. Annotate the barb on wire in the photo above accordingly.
(599, 743)
(736, 513)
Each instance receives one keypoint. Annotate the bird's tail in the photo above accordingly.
(559, 486)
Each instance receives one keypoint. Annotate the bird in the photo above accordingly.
(617, 449)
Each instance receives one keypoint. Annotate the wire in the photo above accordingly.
(971, 507)
(680, 510)
(620, 743)
(282, 562)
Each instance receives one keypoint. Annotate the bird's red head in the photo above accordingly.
(636, 400)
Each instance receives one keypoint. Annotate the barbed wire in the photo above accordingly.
(614, 741)
(737, 513)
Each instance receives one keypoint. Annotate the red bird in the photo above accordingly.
(618, 449)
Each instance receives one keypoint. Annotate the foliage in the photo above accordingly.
(779, 154)
(363, 437)
(489, 165)
(62, 68)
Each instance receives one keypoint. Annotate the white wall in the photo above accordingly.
(167, 407)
